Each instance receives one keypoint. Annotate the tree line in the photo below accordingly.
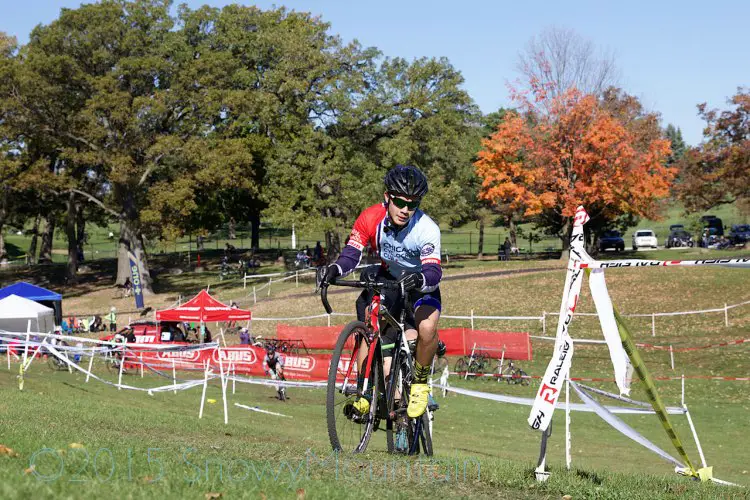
(174, 121)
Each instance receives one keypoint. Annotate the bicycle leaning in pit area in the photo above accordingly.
(356, 371)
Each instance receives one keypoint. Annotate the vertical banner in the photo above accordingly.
(559, 366)
(135, 278)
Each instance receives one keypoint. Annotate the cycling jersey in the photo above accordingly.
(273, 362)
(413, 248)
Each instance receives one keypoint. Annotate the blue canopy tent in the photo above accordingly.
(37, 294)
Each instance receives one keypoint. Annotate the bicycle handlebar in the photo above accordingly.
(373, 285)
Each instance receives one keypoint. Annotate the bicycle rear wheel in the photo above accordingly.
(347, 429)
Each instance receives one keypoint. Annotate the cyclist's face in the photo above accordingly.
(400, 215)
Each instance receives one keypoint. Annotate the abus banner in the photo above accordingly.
(247, 360)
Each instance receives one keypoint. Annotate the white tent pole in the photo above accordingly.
(471, 358)
(203, 395)
(223, 387)
(500, 369)
(695, 435)
(141, 361)
(122, 363)
(568, 458)
(234, 375)
(39, 348)
(683, 390)
(91, 363)
(26, 346)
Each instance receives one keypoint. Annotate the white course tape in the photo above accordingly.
(621, 426)
(666, 263)
(255, 408)
(573, 406)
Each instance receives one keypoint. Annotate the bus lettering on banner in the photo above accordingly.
(242, 356)
(191, 355)
(299, 363)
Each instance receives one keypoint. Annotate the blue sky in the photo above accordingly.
(671, 54)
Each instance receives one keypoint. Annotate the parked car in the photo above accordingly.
(739, 234)
(679, 238)
(644, 238)
(714, 223)
(611, 239)
(675, 227)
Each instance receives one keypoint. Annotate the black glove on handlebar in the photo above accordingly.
(413, 281)
(331, 273)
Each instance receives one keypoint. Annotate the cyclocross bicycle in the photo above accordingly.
(471, 366)
(356, 371)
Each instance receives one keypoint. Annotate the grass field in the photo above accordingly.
(156, 446)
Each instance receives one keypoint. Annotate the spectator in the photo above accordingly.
(506, 248)
(129, 335)
(232, 323)
(179, 335)
(96, 324)
(244, 337)
(206, 335)
(317, 252)
(127, 287)
(112, 319)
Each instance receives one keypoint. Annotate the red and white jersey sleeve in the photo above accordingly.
(367, 227)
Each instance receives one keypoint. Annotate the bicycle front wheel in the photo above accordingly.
(348, 428)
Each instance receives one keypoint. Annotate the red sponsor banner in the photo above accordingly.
(244, 359)
(458, 341)
(461, 342)
(314, 337)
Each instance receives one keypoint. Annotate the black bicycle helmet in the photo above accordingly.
(406, 181)
(270, 348)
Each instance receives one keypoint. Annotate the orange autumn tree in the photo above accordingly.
(575, 149)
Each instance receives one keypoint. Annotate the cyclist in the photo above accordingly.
(408, 243)
(273, 365)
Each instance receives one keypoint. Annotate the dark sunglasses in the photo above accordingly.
(402, 203)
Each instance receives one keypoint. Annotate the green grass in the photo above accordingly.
(493, 440)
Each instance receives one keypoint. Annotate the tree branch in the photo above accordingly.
(96, 201)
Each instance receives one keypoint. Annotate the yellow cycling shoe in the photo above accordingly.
(418, 398)
(362, 405)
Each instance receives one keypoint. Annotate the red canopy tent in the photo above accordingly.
(204, 309)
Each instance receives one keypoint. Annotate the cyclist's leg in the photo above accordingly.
(426, 315)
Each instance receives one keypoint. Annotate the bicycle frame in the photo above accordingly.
(378, 316)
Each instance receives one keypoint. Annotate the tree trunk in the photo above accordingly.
(232, 229)
(255, 230)
(32, 259)
(481, 239)
(3, 216)
(512, 229)
(566, 232)
(333, 244)
(80, 230)
(45, 252)
(71, 270)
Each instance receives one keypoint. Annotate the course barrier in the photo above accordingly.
(459, 341)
